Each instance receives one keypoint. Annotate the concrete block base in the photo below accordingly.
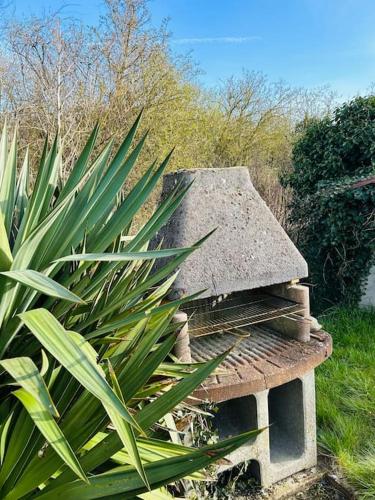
(288, 444)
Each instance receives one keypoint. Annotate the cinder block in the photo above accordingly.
(288, 444)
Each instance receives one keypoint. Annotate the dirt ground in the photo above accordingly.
(323, 490)
(321, 482)
(313, 484)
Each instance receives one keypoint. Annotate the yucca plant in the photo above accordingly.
(85, 332)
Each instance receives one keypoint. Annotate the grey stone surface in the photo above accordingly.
(288, 443)
(249, 248)
(368, 297)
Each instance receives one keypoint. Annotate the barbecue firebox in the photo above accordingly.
(249, 271)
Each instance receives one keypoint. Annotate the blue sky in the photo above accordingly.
(304, 42)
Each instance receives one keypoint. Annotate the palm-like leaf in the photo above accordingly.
(75, 283)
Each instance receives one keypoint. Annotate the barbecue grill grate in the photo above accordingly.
(209, 316)
(262, 345)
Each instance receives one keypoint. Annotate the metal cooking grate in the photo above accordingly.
(209, 316)
(262, 345)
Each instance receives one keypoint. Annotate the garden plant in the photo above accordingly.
(86, 331)
(332, 208)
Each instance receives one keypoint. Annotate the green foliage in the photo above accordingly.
(333, 218)
(85, 332)
(346, 397)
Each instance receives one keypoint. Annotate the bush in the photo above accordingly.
(332, 216)
(85, 333)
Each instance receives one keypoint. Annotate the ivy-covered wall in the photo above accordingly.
(332, 212)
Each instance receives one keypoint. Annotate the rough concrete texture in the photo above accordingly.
(288, 443)
(249, 248)
(368, 297)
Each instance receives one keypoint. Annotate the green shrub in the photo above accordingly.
(85, 332)
(334, 219)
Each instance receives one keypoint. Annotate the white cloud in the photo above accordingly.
(220, 39)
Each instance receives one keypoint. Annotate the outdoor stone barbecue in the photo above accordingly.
(249, 269)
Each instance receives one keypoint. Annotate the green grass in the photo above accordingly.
(346, 397)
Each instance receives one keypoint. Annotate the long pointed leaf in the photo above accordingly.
(43, 284)
(8, 185)
(22, 199)
(50, 430)
(123, 428)
(25, 372)
(124, 256)
(6, 257)
(35, 397)
(54, 338)
(126, 433)
(80, 165)
(127, 483)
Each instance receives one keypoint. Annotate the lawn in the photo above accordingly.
(346, 397)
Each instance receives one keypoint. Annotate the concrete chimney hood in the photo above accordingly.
(249, 248)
